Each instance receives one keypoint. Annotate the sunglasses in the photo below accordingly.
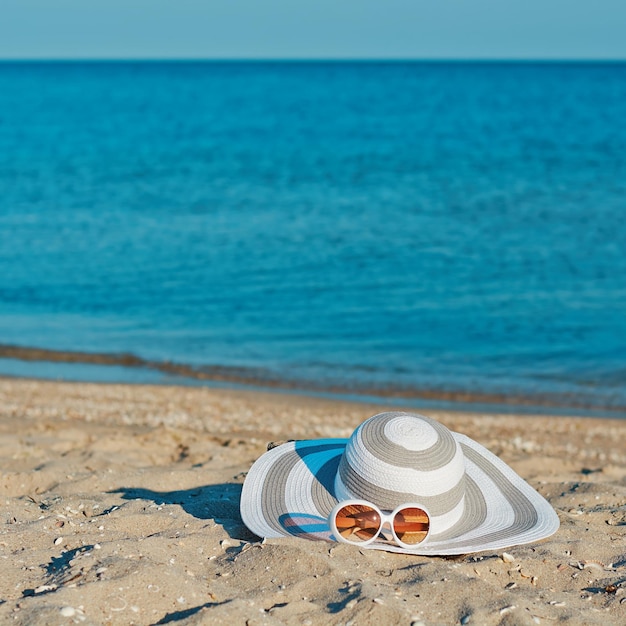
(359, 522)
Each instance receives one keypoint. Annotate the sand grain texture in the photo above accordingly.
(119, 505)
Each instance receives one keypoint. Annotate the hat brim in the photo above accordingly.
(290, 491)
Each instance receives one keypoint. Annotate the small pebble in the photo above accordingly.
(58, 541)
(507, 558)
(68, 611)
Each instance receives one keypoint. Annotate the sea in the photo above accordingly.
(439, 234)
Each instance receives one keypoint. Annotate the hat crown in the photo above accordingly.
(394, 458)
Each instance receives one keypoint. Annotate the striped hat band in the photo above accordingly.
(475, 501)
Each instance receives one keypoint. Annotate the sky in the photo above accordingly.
(313, 29)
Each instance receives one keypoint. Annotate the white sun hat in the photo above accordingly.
(475, 501)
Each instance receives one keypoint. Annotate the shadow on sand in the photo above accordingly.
(217, 502)
(181, 615)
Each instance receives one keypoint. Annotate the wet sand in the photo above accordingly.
(119, 505)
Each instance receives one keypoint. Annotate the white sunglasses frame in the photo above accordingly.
(386, 519)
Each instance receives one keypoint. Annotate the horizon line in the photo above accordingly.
(295, 59)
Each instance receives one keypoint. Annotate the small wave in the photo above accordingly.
(183, 373)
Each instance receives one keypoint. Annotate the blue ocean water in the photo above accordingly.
(396, 227)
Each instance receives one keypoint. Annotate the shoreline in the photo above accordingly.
(127, 368)
(122, 507)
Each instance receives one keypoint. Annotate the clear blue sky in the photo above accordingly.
(519, 29)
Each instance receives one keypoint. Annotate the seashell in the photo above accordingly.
(122, 605)
(597, 565)
(507, 558)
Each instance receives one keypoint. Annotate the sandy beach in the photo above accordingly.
(120, 505)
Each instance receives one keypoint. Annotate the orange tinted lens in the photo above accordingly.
(411, 525)
(357, 522)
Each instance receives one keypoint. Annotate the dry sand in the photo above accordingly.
(120, 506)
